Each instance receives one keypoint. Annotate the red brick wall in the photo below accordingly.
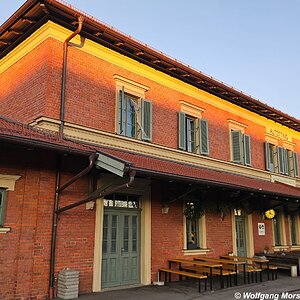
(23, 86)
(90, 101)
(219, 234)
(261, 241)
(25, 250)
(167, 233)
(90, 98)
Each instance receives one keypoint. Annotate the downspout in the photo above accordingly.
(58, 190)
(64, 72)
(54, 229)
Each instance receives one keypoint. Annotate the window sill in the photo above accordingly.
(280, 248)
(295, 247)
(195, 251)
(4, 229)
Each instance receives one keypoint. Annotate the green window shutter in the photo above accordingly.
(286, 168)
(275, 158)
(2, 206)
(146, 120)
(280, 160)
(268, 157)
(181, 131)
(236, 146)
(247, 150)
(204, 142)
(291, 162)
(121, 115)
(296, 167)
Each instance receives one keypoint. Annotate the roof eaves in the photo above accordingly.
(159, 61)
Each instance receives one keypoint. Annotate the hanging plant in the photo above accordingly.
(193, 210)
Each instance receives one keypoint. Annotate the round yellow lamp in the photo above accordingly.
(270, 214)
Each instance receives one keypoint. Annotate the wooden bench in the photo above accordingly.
(213, 272)
(273, 270)
(249, 269)
(285, 266)
(256, 265)
(284, 262)
(182, 273)
(229, 265)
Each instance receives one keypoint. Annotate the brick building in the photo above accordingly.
(116, 157)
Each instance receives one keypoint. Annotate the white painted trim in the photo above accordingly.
(125, 81)
(140, 187)
(248, 237)
(195, 252)
(234, 247)
(8, 181)
(98, 246)
(4, 229)
(202, 236)
(191, 109)
(103, 138)
(236, 125)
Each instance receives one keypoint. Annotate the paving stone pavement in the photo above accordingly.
(284, 287)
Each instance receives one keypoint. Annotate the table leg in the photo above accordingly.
(180, 268)
(244, 267)
(210, 278)
(268, 265)
(222, 281)
(236, 274)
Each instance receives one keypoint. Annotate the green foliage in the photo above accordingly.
(193, 210)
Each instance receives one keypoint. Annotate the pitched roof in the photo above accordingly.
(20, 133)
(35, 13)
(148, 165)
(17, 132)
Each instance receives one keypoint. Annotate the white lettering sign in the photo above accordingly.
(261, 229)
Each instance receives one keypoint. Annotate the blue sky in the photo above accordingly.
(253, 46)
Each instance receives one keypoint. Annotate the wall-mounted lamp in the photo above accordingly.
(165, 209)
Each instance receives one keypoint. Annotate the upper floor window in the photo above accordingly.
(192, 134)
(240, 147)
(134, 116)
(281, 160)
(2, 206)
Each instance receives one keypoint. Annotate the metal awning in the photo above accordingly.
(168, 170)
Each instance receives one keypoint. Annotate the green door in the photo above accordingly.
(240, 233)
(120, 248)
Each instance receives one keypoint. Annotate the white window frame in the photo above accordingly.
(137, 92)
(202, 237)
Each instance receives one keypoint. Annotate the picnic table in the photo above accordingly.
(262, 262)
(235, 264)
(208, 265)
(286, 261)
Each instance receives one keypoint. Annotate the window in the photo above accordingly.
(2, 206)
(192, 134)
(134, 116)
(121, 201)
(281, 160)
(293, 229)
(240, 147)
(195, 230)
(192, 234)
(277, 230)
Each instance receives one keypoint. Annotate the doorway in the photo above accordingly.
(240, 232)
(121, 241)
